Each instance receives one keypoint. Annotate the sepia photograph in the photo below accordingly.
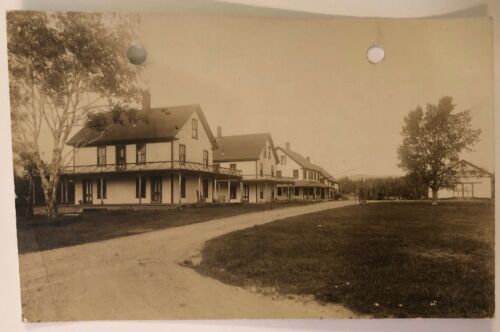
(172, 166)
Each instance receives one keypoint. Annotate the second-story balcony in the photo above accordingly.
(152, 166)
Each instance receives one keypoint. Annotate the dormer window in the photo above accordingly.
(265, 154)
(194, 128)
(283, 160)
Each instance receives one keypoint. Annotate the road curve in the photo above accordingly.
(140, 277)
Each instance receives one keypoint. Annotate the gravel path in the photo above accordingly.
(141, 277)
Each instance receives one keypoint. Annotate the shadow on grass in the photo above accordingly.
(386, 260)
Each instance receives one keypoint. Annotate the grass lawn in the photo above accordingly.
(386, 260)
(39, 234)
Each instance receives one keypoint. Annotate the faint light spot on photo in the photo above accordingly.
(136, 54)
(375, 54)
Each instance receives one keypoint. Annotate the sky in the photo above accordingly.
(307, 80)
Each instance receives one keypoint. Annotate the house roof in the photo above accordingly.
(156, 124)
(242, 147)
(304, 163)
(480, 169)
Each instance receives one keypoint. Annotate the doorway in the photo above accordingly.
(121, 157)
(156, 189)
(87, 191)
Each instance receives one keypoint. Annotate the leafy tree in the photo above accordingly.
(433, 141)
(64, 67)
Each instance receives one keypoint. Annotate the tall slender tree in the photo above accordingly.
(433, 141)
(64, 67)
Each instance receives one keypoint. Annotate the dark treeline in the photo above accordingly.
(403, 187)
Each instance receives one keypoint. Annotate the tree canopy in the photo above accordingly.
(433, 141)
(64, 67)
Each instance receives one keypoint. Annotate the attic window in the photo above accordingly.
(194, 128)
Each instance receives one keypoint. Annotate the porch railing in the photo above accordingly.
(268, 177)
(151, 166)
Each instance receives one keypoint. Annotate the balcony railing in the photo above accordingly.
(268, 177)
(151, 166)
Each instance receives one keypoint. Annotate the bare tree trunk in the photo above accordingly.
(434, 196)
(49, 185)
(50, 201)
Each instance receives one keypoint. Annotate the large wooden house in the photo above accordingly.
(255, 155)
(311, 182)
(162, 156)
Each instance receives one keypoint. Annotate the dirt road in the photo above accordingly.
(140, 277)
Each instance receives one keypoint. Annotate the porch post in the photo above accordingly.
(228, 191)
(241, 191)
(102, 196)
(214, 190)
(180, 187)
(199, 188)
(66, 185)
(140, 189)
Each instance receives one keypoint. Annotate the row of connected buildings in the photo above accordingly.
(171, 156)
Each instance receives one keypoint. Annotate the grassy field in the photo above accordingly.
(386, 260)
(39, 234)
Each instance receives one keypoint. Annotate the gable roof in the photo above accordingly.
(304, 163)
(159, 124)
(242, 147)
(480, 169)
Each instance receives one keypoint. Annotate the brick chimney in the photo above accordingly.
(219, 132)
(308, 159)
(146, 100)
(287, 145)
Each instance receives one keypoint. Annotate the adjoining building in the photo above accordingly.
(312, 182)
(165, 157)
(472, 182)
(255, 155)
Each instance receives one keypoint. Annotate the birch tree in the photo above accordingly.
(64, 67)
(433, 141)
